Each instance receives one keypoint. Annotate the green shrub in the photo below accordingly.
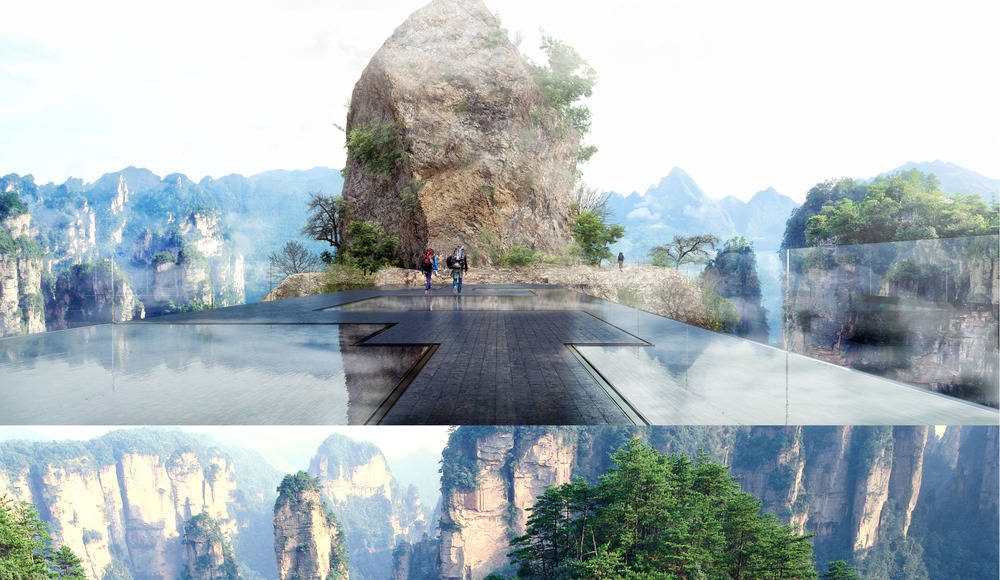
(164, 258)
(376, 146)
(189, 255)
(370, 248)
(341, 276)
(11, 205)
(519, 256)
(593, 236)
(722, 314)
(7, 245)
(488, 247)
(28, 248)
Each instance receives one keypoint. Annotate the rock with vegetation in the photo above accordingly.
(91, 293)
(121, 501)
(732, 275)
(450, 135)
(374, 511)
(22, 304)
(416, 561)
(876, 497)
(922, 309)
(209, 552)
(308, 540)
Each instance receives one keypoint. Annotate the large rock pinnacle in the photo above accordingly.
(479, 148)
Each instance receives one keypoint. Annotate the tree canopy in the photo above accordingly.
(594, 236)
(26, 549)
(903, 206)
(695, 249)
(294, 258)
(660, 517)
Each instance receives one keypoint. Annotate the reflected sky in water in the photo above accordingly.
(199, 374)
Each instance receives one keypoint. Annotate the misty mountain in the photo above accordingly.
(255, 214)
(678, 206)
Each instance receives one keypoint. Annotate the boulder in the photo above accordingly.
(474, 148)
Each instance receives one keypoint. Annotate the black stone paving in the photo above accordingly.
(502, 367)
(491, 367)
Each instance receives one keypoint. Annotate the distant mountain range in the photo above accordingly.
(678, 206)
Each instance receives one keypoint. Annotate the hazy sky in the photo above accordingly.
(288, 448)
(742, 95)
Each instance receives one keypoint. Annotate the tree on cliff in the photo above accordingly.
(839, 570)
(658, 516)
(326, 219)
(594, 236)
(694, 249)
(11, 205)
(904, 206)
(26, 549)
(565, 80)
(293, 258)
(732, 274)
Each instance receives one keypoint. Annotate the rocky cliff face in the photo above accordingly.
(91, 294)
(169, 243)
(139, 502)
(21, 301)
(308, 541)
(858, 489)
(922, 312)
(376, 514)
(209, 553)
(473, 145)
(504, 471)
(416, 561)
(121, 502)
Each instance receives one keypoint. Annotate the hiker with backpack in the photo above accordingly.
(458, 264)
(428, 265)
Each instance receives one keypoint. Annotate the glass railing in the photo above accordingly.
(922, 312)
(39, 296)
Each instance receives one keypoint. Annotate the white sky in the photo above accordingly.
(287, 448)
(741, 95)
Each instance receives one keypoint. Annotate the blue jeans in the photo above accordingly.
(456, 280)
(427, 274)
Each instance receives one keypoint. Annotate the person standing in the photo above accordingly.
(428, 265)
(458, 264)
(621, 260)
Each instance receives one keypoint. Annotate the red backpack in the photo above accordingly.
(428, 257)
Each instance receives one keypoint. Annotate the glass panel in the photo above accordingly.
(199, 374)
(922, 312)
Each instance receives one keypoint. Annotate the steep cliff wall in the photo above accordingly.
(376, 514)
(91, 293)
(858, 489)
(208, 550)
(308, 541)
(490, 481)
(121, 502)
(922, 312)
(21, 299)
(169, 243)
(472, 144)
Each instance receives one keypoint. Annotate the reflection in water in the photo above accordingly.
(924, 312)
(198, 374)
(738, 382)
